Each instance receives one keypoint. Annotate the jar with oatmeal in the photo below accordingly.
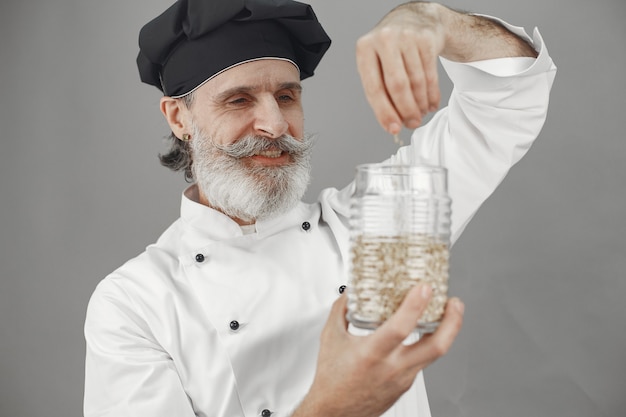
(399, 237)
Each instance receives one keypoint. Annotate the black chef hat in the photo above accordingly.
(194, 40)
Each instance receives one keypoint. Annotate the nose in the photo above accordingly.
(269, 120)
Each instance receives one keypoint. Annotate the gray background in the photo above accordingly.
(541, 268)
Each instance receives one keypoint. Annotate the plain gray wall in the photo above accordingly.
(541, 268)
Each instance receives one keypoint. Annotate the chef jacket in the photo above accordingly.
(212, 321)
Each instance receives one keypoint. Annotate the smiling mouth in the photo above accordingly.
(269, 153)
(270, 158)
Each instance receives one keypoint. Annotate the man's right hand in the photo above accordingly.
(362, 376)
(397, 59)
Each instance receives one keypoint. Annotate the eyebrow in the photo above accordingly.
(224, 95)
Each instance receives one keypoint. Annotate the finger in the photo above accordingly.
(336, 323)
(370, 71)
(415, 69)
(432, 346)
(402, 86)
(338, 313)
(429, 61)
(392, 332)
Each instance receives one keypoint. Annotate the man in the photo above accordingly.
(237, 309)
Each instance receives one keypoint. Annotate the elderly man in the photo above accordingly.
(237, 309)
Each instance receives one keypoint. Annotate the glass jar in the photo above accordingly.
(399, 237)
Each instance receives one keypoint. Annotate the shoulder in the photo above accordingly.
(142, 278)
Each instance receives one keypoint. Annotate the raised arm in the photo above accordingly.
(495, 112)
(397, 60)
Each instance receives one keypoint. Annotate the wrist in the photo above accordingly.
(457, 26)
(471, 37)
(310, 408)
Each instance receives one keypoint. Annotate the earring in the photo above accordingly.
(186, 137)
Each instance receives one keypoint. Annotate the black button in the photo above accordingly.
(199, 257)
(306, 226)
(342, 288)
(266, 413)
(234, 325)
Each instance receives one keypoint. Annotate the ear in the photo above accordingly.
(177, 115)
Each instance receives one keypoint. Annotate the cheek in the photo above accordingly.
(226, 130)
(296, 125)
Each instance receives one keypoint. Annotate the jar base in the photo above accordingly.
(427, 327)
(422, 327)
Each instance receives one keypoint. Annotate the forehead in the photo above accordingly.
(260, 74)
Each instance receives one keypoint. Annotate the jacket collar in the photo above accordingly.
(206, 222)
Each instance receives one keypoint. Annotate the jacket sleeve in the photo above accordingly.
(496, 110)
(127, 373)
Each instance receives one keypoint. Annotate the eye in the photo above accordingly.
(287, 96)
(238, 101)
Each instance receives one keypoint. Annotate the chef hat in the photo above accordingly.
(194, 40)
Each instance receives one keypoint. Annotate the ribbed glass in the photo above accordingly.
(399, 236)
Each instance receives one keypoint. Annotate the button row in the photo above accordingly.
(306, 226)
(234, 325)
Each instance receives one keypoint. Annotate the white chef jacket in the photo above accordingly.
(209, 321)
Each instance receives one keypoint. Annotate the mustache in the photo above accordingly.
(252, 145)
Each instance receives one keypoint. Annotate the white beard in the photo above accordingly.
(245, 191)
